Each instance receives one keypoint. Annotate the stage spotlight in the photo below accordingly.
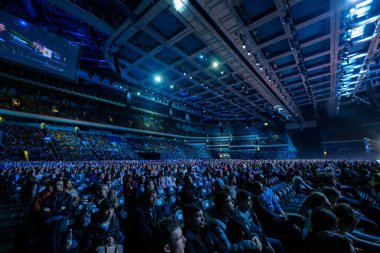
(158, 79)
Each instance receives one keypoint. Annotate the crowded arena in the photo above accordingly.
(190, 126)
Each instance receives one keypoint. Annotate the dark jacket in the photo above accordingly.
(221, 227)
(140, 229)
(96, 235)
(251, 228)
(189, 195)
(55, 202)
(203, 242)
(265, 215)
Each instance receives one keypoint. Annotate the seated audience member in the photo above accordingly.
(269, 199)
(55, 210)
(321, 220)
(332, 194)
(299, 184)
(60, 203)
(219, 183)
(141, 223)
(274, 224)
(220, 222)
(135, 199)
(348, 220)
(36, 214)
(314, 200)
(231, 186)
(168, 238)
(330, 242)
(250, 224)
(104, 234)
(365, 223)
(111, 193)
(69, 188)
(189, 194)
(93, 206)
(200, 239)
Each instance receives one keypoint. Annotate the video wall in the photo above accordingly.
(31, 45)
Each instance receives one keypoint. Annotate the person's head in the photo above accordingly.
(332, 194)
(231, 179)
(323, 220)
(330, 242)
(69, 185)
(223, 203)
(193, 216)
(318, 200)
(244, 200)
(58, 185)
(102, 191)
(260, 178)
(347, 216)
(188, 180)
(142, 179)
(107, 208)
(168, 237)
(49, 186)
(257, 188)
(149, 185)
(149, 198)
(108, 182)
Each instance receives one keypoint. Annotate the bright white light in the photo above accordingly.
(215, 64)
(172, 86)
(364, 3)
(356, 56)
(365, 39)
(358, 31)
(362, 11)
(158, 79)
(179, 5)
(138, 93)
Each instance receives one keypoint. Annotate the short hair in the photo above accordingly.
(220, 198)
(230, 177)
(330, 242)
(256, 186)
(330, 191)
(322, 220)
(345, 213)
(147, 194)
(190, 210)
(106, 204)
(242, 195)
(258, 177)
(316, 199)
(147, 182)
(163, 232)
(100, 186)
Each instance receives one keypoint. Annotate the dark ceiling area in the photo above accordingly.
(263, 60)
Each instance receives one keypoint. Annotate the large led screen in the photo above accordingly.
(31, 45)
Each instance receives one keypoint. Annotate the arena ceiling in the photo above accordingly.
(268, 60)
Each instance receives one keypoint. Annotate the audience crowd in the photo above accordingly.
(269, 206)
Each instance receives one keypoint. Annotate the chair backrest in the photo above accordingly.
(161, 192)
(178, 215)
(171, 191)
(173, 200)
(160, 202)
(206, 204)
